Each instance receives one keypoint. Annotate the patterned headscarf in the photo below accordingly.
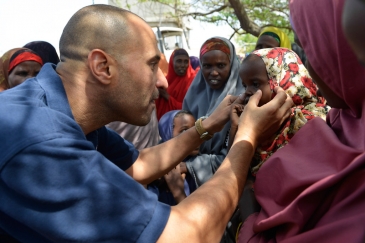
(285, 69)
(215, 44)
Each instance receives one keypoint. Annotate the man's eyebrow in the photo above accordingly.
(155, 58)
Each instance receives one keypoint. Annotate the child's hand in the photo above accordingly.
(236, 111)
(175, 182)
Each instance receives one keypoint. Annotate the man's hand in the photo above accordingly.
(216, 121)
(163, 93)
(258, 124)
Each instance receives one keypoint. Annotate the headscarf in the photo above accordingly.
(215, 44)
(4, 66)
(21, 56)
(285, 69)
(201, 100)
(45, 50)
(277, 33)
(6, 61)
(194, 61)
(178, 86)
(312, 190)
(165, 125)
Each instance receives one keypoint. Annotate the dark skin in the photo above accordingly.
(254, 76)
(353, 20)
(333, 99)
(266, 41)
(22, 72)
(175, 178)
(216, 68)
(181, 64)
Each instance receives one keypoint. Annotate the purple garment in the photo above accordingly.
(194, 61)
(165, 125)
(313, 189)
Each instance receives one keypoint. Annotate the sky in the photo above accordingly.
(23, 21)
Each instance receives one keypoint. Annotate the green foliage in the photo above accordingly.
(220, 12)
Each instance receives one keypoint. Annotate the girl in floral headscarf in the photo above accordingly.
(267, 68)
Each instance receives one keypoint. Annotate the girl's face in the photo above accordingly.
(23, 71)
(216, 68)
(254, 76)
(182, 123)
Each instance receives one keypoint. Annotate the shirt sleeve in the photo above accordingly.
(116, 149)
(63, 190)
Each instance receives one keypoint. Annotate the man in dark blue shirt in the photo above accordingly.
(65, 177)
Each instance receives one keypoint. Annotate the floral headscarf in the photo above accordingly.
(285, 69)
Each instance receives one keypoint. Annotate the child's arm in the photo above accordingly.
(175, 182)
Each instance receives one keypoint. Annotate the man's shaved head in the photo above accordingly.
(95, 27)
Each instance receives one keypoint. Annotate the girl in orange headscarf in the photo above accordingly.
(179, 77)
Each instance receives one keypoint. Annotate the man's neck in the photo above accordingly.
(80, 94)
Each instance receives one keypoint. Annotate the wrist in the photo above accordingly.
(246, 135)
(210, 126)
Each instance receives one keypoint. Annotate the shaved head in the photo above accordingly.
(95, 27)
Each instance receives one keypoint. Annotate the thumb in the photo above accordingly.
(255, 98)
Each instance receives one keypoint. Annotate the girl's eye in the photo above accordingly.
(256, 84)
(244, 85)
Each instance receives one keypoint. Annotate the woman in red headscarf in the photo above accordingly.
(17, 65)
(179, 76)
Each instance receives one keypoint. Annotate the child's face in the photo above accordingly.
(182, 123)
(254, 76)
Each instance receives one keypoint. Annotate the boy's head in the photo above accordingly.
(183, 120)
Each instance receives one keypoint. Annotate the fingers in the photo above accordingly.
(239, 99)
(255, 98)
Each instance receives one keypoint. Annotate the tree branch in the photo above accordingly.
(195, 14)
(245, 22)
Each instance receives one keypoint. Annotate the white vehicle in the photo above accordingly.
(169, 39)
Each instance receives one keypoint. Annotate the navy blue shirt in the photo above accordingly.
(56, 184)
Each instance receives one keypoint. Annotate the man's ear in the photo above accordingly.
(100, 65)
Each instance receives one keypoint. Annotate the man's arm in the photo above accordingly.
(154, 162)
(203, 215)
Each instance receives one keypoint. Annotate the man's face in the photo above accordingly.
(135, 91)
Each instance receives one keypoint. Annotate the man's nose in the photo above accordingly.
(161, 80)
